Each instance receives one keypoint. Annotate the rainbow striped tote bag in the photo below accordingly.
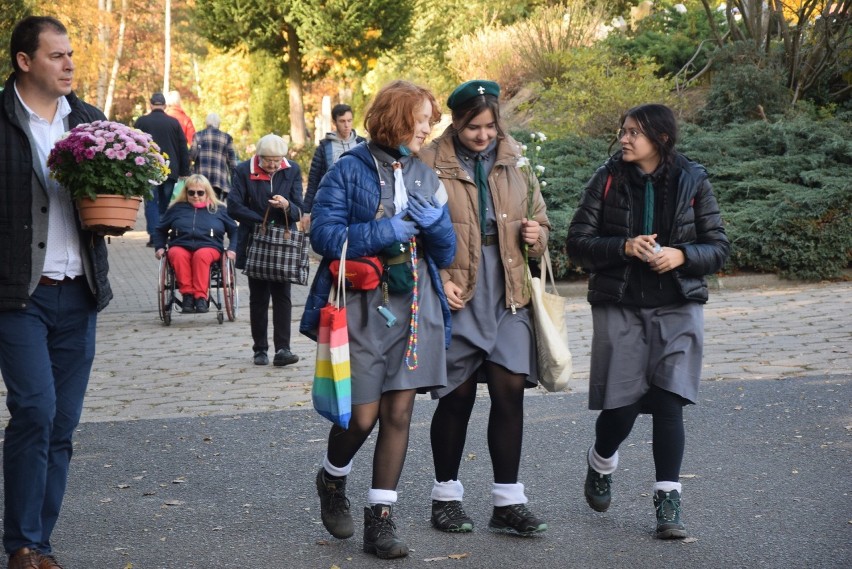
(332, 388)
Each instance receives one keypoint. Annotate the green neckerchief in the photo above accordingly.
(482, 186)
(648, 214)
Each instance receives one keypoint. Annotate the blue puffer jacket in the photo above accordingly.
(193, 228)
(346, 206)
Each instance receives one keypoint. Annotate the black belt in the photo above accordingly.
(47, 281)
(489, 240)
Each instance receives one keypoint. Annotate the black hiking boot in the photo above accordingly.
(334, 506)
(598, 489)
(669, 525)
(380, 536)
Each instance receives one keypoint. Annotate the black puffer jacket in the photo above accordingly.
(599, 231)
(24, 211)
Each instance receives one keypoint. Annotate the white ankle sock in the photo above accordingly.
(334, 470)
(508, 494)
(667, 486)
(449, 491)
(379, 496)
(600, 464)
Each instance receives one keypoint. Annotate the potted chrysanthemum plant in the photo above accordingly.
(108, 168)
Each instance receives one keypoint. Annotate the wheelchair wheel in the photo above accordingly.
(165, 291)
(230, 293)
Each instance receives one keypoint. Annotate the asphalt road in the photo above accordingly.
(766, 481)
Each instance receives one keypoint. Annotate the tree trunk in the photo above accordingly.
(104, 37)
(116, 60)
(298, 128)
(167, 56)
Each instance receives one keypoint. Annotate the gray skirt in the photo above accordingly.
(377, 352)
(485, 330)
(634, 348)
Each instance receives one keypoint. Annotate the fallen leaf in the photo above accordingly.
(738, 408)
(458, 555)
(173, 503)
(122, 486)
(690, 540)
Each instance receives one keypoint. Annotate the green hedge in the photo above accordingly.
(785, 190)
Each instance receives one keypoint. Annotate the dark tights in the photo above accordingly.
(393, 413)
(505, 425)
(614, 425)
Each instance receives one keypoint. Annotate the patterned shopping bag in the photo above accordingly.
(332, 388)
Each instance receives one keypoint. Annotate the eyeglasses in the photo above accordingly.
(271, 159)
(631, 134)
(198, 193)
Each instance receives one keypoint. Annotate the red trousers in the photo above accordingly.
(192, 269)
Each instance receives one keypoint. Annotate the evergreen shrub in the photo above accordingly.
(784, 188)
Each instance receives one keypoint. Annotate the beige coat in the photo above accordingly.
(509, 193)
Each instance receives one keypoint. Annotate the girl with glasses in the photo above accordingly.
(195, 225)
(648, 229)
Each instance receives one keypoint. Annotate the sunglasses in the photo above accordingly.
(198, 193)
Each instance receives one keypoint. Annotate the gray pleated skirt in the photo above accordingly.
(485, 330)
(634, 348)
(377, 352)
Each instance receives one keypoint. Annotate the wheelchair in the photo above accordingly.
(222, 294)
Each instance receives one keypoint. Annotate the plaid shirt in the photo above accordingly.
(213, 156)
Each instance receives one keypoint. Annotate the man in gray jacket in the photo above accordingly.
(329, 150)
(53, 281)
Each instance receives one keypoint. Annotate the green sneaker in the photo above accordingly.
(515, 519)
(449, 516)
(669, 525)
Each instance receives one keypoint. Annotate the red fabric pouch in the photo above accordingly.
(363, 273)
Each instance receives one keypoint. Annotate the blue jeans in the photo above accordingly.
(46, 354)
(157, 205)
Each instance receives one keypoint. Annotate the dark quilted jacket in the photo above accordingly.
(598, 232)
(346, 205)
(16, 215)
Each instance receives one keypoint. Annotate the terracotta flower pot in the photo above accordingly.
(109, 215)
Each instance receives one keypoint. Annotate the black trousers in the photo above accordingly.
(669, 439)
(260, 293)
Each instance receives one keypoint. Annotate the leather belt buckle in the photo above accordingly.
(47, 281)
(489, 240)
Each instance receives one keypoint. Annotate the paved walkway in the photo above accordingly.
(209, 480)
(756, 328)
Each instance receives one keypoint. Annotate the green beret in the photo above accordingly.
(471, 89)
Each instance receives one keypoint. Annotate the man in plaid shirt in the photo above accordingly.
(213, 155)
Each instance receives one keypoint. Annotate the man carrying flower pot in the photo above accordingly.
(53, 281)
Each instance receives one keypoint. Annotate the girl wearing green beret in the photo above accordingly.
(492, 337)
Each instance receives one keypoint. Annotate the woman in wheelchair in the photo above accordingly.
(195, 226)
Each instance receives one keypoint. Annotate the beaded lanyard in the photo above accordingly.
(411, 349)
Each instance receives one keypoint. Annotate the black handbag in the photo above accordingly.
(278, 254)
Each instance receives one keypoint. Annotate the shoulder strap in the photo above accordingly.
(608, 184)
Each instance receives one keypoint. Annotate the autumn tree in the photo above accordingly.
(307, 36)
(813, 36)
(13, 11)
